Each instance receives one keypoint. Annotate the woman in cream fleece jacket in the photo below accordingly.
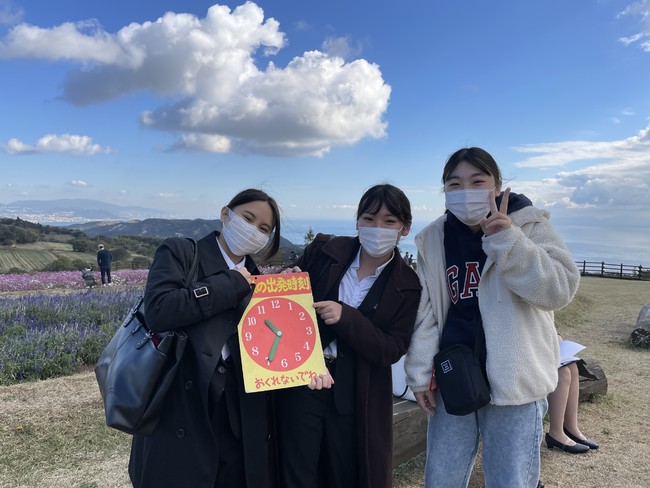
(501, 275)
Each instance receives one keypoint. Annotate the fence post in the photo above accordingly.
(621, 270)
(602, 268)
(584, 267)
(640, 271)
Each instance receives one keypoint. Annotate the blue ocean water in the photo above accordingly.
(629, 249)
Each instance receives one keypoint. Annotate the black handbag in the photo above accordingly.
(459, 375)
(137, 368)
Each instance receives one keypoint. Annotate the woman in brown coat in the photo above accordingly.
(366, 300)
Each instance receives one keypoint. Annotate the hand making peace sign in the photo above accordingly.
(498, 219)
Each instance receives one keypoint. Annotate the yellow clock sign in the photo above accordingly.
(278, 334)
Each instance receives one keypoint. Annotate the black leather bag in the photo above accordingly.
(459, 375)
(137, 368)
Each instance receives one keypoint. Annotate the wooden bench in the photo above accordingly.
(410, 423)
(409, 430)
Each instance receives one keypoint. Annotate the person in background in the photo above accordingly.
(365, 299)
(211, 434)
(564, 431)
(105, 262)
(492, 265)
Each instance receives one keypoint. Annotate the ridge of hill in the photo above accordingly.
(195, 228)
(75, 210)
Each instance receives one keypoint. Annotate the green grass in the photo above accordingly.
(35, 256)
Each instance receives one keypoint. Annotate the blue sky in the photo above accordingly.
(177, 105)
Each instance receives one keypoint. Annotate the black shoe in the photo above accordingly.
(540, 484)
(577, 449)
(587, 442)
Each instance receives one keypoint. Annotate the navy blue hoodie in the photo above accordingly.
(464, 259)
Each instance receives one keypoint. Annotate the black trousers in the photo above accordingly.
(231, 472)
(318, 445)
(105, 273)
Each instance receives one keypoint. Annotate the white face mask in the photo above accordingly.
(377, 241)
(243, 237)
(469, 206)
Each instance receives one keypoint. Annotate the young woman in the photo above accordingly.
(492, 265)
(211, 434)
(366, 299)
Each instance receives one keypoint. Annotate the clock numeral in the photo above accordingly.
(309, 330)
(255, 351)
(251, 321)
(290, 305)
(297, 357)
(260, 309)
(248, 336)
(275, 304)
(301, 315)
(284, 363)
(306, 346)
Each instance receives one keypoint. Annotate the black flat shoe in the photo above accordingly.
(587, 442)
(577, 449)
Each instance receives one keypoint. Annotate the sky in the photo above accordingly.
(178, 105)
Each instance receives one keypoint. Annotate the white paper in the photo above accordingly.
(568, 351)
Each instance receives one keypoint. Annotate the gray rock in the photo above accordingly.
(592, 380)
(644, 317)
(640, 337)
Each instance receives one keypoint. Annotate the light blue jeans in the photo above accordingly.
(511, 438)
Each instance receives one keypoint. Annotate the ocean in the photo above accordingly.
(629, 249)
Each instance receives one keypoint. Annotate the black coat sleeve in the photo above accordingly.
(169, 296)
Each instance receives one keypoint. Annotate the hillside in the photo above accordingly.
(25, 246)
(74, 210)
(195, 228)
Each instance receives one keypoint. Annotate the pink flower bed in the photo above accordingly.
(67, 279)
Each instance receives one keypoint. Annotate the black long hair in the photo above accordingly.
(255, 195)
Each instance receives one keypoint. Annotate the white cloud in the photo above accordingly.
(203, 143)
(618, 173)
(223, 101)
(635, 148)
(340, 47)
(10, 13)
(80, 183)
(642, 9)
(52, 143)
(167, 196)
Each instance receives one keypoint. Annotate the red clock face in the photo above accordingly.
(278, 334)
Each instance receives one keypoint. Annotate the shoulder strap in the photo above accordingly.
(194, 269)
(376, 290)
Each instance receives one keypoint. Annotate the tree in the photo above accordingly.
(309, 236)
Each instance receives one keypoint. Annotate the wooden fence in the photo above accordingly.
(622, 271)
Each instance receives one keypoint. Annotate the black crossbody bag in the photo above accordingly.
(459, 375)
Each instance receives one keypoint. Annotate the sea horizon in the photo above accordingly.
(627, 253)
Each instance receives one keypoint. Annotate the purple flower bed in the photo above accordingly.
(46, 335)
(66, 279)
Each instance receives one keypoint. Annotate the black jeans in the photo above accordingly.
(106, 273)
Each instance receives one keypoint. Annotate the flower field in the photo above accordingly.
(65, 279)
(46, 335)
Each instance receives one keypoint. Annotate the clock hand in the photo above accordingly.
(274, 347)
(271, 326)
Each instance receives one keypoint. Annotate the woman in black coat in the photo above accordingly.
(211, 434)
(366, 298)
